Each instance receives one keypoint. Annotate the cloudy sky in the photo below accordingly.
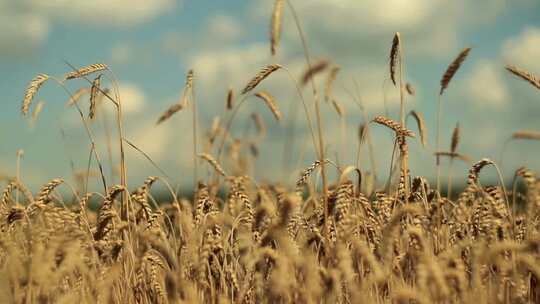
(150, 45)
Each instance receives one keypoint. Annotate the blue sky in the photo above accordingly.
(150, 45)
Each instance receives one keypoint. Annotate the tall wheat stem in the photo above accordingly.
(319, 120)
(404, 154)
(437, 146)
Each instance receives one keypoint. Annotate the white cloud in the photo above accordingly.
(524, 49)
(132, 98)
(233, 65)
(121, 13)
(25, 24)
(429, 27)
(224, 27)
(485, 86)
(21, 33)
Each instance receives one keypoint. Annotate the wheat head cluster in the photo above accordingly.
(236, 239)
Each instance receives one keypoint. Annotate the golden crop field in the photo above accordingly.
(337, 235)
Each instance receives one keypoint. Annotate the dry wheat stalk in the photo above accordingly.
(213, 163)
(306, 174)
(275, 26)
(459, 156)
(338, 107)
(230, 100)
(77, 95)
(259, 123)
(86, 71)
(472, 178)
(455, 139)
(32, 90)
(330, 81)
(524, 134)
(169, 112)
(394, 56)
(43, 196)
(270, 103)
(265, 72)
(525, 75)
(189, 80)
(37, 110)
(410, 89)
(453, 68)
(394, 125)
(313, 70)
(421, 123)
(94, 92)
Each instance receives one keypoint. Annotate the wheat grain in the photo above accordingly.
(410, 89)
(453, 68)
(169, 112)
(525, 75)
(524, 134)
(37, 110)
(32, 90)
(394, 56)
(270, 103)
(313, 70)
(94, 92)
(421, 123)
(332, 75)
(213, 163)
(263, 74)
(455, 139)
(86, 71)
(77, 95)
(338, 107)
(401, 131)
(230, 100)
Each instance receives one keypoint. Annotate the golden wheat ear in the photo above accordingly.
(313, 70)
(86, 71)
(525, 75)
(270, 103)
(394, 57)
(262, 75)
(32, 90)
(453, 68)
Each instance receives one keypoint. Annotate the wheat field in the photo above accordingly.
(340, 238)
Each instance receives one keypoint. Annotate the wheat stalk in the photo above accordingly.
(263, 74)
(169, 112)
(524, 134)
(410, 89)
(94, 92)
(525, 75)
(77, 95)
(421, 123)
(332, 75)
(230, 100)
(37, 110)
(338, 107)
(451, 155)
(96, 67)
(453, 68)
(275, 26)
(32, 90)
(455, 139)
(213, 163)
(313, 70)
(394, 125)
(270, 103)
(394, 56)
